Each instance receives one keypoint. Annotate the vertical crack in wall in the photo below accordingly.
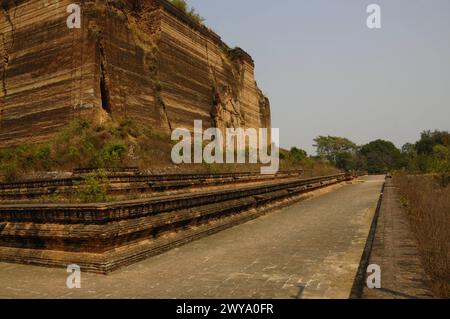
(151, 63)
(163, 107)
(104, 81)
(214, 112)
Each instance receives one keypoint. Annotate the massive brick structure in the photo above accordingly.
(139, 59)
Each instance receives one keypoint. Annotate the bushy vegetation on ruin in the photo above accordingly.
(189, 11)
(84, 144)
(95, 188)
(115, 144)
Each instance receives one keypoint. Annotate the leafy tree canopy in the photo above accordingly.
(330, 147)
(431, 154)
(298, 154)
(429, 140)
(381, 156)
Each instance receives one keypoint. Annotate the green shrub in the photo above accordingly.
(297, 154)
(95, 188)
(113, 153)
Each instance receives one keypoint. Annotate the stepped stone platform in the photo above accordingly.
(103, 237)
(133, 182)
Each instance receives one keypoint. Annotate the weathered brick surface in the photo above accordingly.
(308, 250)
(103, 237)
(46, 70)
(153, 65)
(151, 185)
(395, 251)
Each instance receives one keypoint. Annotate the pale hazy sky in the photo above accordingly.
(326, 73)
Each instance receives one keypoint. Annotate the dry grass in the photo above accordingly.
(428, 206)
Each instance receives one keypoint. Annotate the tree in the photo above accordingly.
(298, 154)
(339, 151)
(346, 161)
(330, 147)
(429, 154)
(409, 149)
(295, 154)
(440, 162)
(429, 140)
(381, 156)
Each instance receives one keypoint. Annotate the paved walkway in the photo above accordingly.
(310, 250)
(395, 251)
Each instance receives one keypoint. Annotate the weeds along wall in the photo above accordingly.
(143, 60)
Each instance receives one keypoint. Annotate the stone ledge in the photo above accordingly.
(395, 251)
(106, 212)
(105, 247)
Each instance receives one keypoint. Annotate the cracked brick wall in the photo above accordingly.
(150, 63)
(47, 71)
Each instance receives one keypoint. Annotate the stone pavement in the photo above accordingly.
(395, 251)
(311, 249)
